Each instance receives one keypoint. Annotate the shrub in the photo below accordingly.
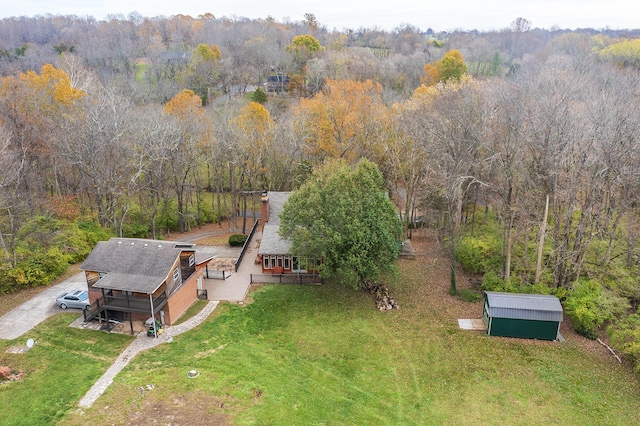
(589, 306)
(93, 231)
(135, 230)
(492, 282)
(206, 214)
(77, 239)
(45, 249)
(259, 96)
(469, 295)
(35, 269)
(625, 336)
(136, 225)
(237, 240)
(478, 255)
(541, 288)
(167, 219)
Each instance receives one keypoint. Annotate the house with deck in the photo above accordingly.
(133, 279)
(275, 252)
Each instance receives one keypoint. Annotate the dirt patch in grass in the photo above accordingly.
(434, 269)
(187, 409)
(13, 300)
(214, 231)
(215, 240)
(223, 264)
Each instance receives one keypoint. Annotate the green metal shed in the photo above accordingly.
(530, 316)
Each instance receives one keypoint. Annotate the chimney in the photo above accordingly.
(264, 208)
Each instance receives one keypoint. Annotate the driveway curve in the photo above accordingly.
(23, 318)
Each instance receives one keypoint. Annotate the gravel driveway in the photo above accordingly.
(20, 320)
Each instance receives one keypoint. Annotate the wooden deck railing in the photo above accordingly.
(286, 278)
(124, 303)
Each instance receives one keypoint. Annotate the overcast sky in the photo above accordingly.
(384, 14)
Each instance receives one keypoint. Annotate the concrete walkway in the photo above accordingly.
(236, 286)
(141, 343)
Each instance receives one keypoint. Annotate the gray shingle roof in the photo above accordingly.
(204, 257)
(129, 282)
(523, 306)
(133, 264)
(271, 242)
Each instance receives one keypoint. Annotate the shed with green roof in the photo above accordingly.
(529, 316)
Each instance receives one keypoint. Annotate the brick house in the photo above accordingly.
(274, 252)
(135, 279)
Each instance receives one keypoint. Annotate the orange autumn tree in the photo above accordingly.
(254, 119)
(347, 119)
(184, 105)
(254, 131)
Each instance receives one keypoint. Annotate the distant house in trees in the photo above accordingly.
(134, 279)
(176, 57)
(277, 83)
(274, 252)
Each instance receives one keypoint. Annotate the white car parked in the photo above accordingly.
(75, 299)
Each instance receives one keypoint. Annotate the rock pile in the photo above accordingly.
(6, 374)
(381, 297)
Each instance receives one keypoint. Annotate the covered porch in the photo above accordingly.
(123, 305)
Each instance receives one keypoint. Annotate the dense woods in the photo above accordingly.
(519, 145)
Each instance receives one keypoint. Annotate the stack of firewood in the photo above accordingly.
(381, 297)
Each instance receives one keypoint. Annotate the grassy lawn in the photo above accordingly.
(59, 369)
(321, 355)
(197, 306)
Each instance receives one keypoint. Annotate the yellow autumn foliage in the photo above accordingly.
(424, 94)
(185, 104)
(254, 117)
(38, 98)
(54, 83)
(347, 119)
(450, 68)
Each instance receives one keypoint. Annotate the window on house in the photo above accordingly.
(192, 260)
(176, 274)
(273, 262)
(287, 263)
(265, 262)
(294, 260)
(280, 261)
